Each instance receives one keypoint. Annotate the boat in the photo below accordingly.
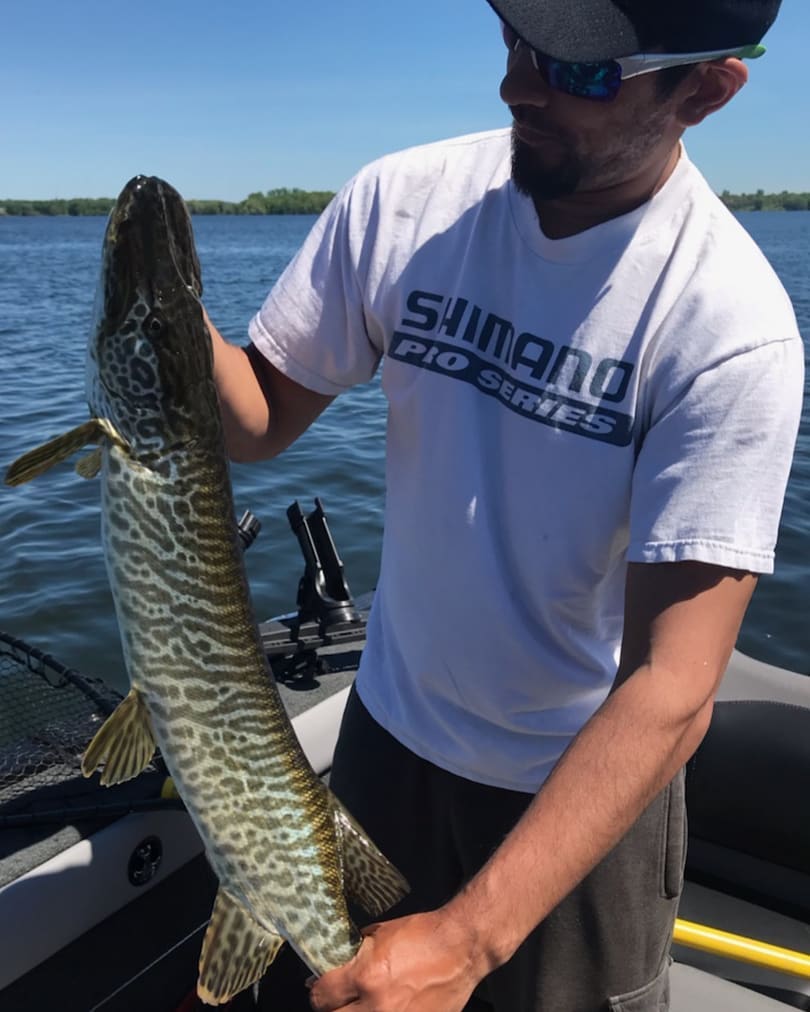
(105, 893)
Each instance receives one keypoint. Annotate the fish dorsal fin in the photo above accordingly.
(370, 878)
(236, 951)
(43, 458)
(124, 743)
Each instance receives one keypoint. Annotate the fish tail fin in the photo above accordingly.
(124, 743)
(236, 951)
(370, 878)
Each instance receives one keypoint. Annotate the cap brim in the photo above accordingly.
(571, 30)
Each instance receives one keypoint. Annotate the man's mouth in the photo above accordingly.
(529, 128)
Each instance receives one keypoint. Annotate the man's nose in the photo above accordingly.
(523, 83)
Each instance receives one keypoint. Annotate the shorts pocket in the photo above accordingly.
(673, 857)
(653, 997)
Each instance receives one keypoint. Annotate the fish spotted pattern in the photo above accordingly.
(286, 852)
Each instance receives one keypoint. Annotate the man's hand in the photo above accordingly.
(422, 963)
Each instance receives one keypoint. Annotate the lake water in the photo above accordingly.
(53, 585)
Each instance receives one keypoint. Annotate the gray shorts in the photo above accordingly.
(605, 947)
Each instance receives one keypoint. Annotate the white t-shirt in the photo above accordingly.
(556, 408)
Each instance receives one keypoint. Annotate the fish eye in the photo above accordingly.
(154, 325)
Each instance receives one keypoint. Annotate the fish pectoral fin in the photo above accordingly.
(236, 951)
(124, 743)
(370, 878)
(89, 466)
(44, 457)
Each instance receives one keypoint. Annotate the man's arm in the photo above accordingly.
(263, 411)
(681, 622)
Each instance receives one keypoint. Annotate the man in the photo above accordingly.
(594, 383)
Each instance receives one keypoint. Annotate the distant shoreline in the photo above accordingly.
(294, 201)
(282, 201)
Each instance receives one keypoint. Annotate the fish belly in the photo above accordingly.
(194, 655)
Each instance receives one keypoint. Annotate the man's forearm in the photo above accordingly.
(262, 410)
(244, 410)
(623, 757)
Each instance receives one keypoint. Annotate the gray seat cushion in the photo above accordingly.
(695, 991)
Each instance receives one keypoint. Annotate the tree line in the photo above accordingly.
(761, 201)
(279, 201)
(295, 201)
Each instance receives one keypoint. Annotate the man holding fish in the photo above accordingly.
(594, 383)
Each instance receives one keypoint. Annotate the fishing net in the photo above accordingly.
(48, 714)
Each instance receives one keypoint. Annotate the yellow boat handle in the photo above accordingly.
(746, 950)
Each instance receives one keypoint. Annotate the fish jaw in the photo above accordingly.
(149, 360)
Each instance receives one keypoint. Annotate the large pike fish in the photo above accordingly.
(286, 852)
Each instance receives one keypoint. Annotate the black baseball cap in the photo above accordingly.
(593, 30)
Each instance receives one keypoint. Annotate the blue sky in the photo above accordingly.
(224, 99)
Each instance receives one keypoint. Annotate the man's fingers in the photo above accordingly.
(332, 992)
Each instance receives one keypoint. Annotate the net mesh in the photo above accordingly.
(48, 714)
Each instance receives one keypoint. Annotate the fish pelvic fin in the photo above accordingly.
(124, 743)
(89, 466)
(43, 458)
(369, 877)
(236, 951)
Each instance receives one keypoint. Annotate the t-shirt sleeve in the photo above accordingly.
(712, 470)
(312, 325)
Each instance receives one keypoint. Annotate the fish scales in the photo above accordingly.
(251, 748)
(285, 851)
(274, 839)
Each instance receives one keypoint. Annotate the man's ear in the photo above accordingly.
(711, 87)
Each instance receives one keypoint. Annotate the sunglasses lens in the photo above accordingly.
(599, 81)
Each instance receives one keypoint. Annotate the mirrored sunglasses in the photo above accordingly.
(601, 80)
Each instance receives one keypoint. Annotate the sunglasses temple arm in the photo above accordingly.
(646, 63)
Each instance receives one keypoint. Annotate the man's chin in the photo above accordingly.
(542, 181)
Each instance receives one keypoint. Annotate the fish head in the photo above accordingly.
(150, 359)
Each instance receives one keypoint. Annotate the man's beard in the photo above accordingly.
(544, 182)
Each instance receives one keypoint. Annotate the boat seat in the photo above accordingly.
(746, 797)
(695, 991)
(747, 783)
